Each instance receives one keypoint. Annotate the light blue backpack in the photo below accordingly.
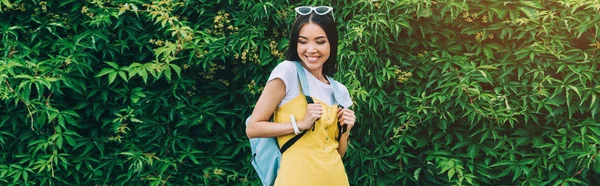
(266, 154)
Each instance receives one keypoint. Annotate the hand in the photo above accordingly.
(313, 113)
(346, 117)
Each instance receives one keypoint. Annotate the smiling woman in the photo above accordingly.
(315, 158)
(313, 49)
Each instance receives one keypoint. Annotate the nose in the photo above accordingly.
(311, 48)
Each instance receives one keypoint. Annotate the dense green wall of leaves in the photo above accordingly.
(137, 92)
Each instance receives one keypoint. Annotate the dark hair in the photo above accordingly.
(327, 23)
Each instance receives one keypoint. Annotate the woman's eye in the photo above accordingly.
(321, 42)
(302, 42)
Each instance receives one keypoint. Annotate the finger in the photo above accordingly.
(350, 111)
(339, 112)
(340, 115)
(315, 108)
(349, 115)
(314, 105)
(317, 105)
(316, 112)
(345, 118)
(345, 114)
(347, 111)
(349, 120)
(344, 111)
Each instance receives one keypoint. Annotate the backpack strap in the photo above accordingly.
(303, 82)
(306, 92)
(337, 94)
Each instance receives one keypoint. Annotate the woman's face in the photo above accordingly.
(313, 46)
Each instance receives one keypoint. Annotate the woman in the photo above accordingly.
(315, 159)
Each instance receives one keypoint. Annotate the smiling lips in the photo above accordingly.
(312, 59)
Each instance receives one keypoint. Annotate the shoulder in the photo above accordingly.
(343, 88)
(286, 71)
(286, 66)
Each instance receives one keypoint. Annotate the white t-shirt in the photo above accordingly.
(286, 71)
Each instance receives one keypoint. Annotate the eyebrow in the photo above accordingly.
(320, 37)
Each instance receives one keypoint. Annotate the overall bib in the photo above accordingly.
(313, 159)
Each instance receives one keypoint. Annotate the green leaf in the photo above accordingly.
(167, 72)
(113, 64)
(111, 77)
(123, 76)
(574, 89)
(176, 69)
(502, 163)
(451, 173)
(597, 164)
(70, 140)
(104, 72)
(25, 176)
(7, 3)
(417, 173)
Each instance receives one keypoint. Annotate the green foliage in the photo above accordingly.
(484, 92)
(154, 92)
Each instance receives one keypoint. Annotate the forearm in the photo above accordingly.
(343, 143)
(264, 129)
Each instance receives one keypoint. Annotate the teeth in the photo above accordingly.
(312, 59)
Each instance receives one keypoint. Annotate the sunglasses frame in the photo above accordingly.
(314, 9)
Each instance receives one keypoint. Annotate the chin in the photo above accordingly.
(314, 66)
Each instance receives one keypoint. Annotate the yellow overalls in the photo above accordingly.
(313, 159)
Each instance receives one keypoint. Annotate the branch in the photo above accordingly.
(22, 100)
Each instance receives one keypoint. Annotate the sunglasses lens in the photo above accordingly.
(303, 10)
(322, 10)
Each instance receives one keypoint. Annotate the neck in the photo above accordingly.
(317, 73)
(320, 76)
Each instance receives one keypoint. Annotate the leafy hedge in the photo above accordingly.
(154, 92)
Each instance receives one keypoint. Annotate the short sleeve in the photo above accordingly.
(285, 71)
(347, 102)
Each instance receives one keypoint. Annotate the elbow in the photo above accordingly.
(250, 132)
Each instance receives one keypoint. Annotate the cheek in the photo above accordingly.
(325, 49)
(300, 49)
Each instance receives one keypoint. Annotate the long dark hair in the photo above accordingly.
(327, 23)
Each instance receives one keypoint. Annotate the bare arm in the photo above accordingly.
(346, 117)
(343, 144)
(259, 125)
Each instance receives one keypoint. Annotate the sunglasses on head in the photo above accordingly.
(319, 10)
